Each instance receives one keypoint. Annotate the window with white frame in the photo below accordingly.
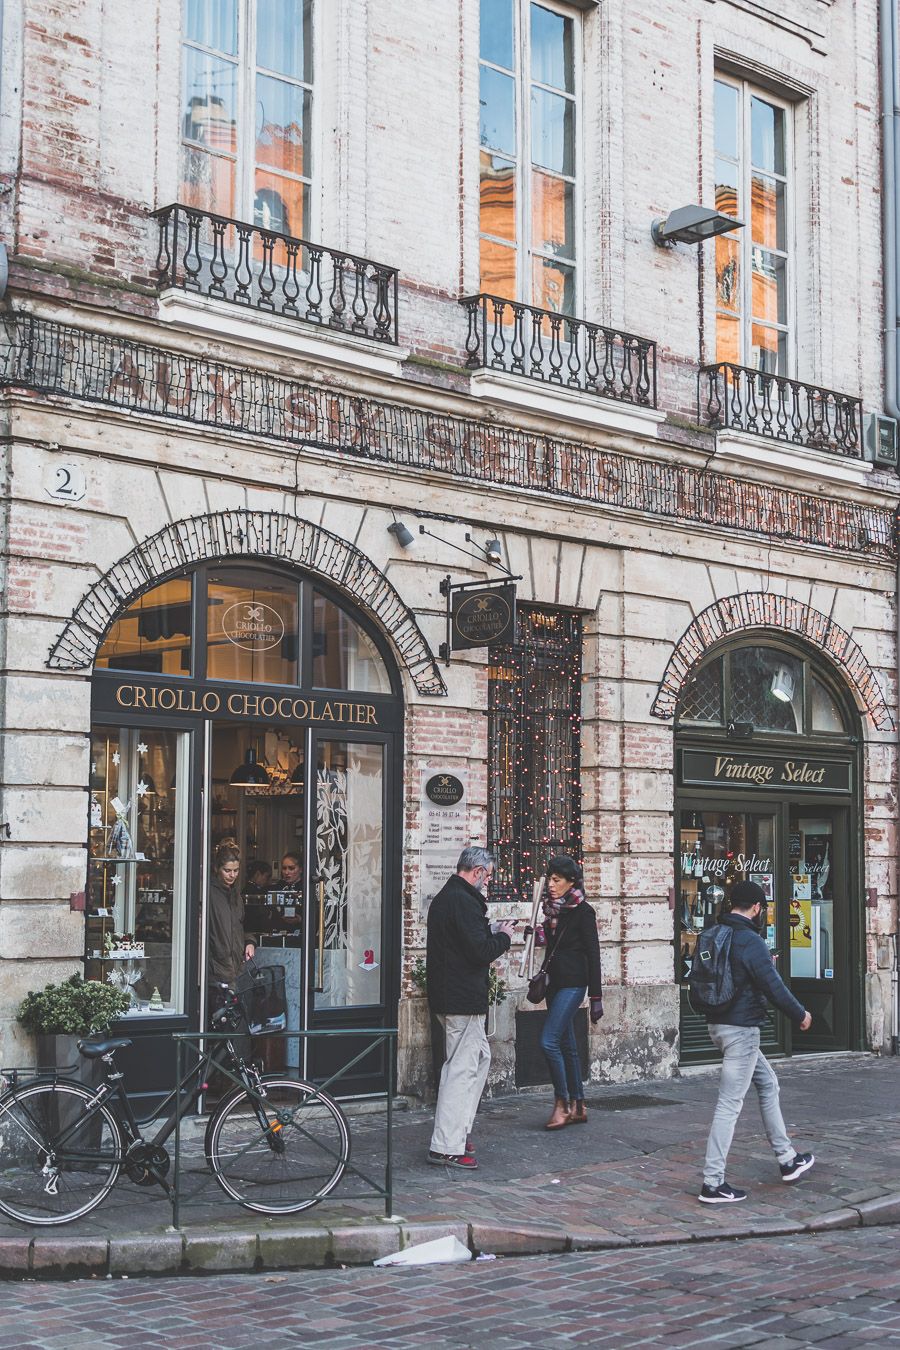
(528, 181)
(246, 110)
(754, 265)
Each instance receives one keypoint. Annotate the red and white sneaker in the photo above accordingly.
(464, 1160)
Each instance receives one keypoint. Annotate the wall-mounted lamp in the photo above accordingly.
(249, 774)
(783, 685)
(405, 538)
(691, 225)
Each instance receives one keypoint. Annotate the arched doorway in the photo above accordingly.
(241, 700)
(767, 748)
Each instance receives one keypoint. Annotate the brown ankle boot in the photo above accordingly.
(577, 1112)
(560, 1116)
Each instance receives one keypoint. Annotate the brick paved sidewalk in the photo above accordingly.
(629, 1176)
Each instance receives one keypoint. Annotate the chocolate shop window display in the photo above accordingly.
(136, 888)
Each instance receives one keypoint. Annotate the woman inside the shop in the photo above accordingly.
(572, 963)
(230, 945)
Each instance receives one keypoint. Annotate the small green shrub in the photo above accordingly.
(497, 988)
(417, 976)
(74, 1008)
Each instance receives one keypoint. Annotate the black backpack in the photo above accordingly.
(711, 987)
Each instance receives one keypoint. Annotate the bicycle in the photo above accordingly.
(277, 1145)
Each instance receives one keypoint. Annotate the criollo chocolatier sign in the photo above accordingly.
(479, 618)
(743, 769)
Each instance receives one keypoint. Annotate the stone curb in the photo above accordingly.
(201, 1251)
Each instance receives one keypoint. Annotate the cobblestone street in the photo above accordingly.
(836, 1291)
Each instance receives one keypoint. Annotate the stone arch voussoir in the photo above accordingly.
(246, 534)
(760, 610)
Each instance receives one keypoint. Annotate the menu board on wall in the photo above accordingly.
(443, 802)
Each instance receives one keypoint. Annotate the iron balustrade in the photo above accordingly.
(557, 349)
(226, 259)
(783, 409)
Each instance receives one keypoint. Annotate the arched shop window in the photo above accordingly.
(762, 689)
(259, 627)
(215, 648)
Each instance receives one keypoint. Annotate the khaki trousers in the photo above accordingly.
(465, 1071)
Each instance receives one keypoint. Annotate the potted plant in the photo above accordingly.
(60, 1014)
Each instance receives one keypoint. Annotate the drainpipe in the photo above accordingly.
(889, 43)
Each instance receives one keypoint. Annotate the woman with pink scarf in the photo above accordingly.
(572, 962)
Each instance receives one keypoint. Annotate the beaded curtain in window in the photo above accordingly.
(534, 754)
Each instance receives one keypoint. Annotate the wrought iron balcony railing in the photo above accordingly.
(260, 269)
(556, 349)
(783, 409)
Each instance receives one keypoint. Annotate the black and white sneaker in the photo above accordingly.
(800, 1163)
(720, 1195)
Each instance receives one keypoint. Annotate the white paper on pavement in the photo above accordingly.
(443, 1251)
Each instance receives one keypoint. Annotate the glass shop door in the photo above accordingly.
(349, 933)
(819, 938)
(717, 849)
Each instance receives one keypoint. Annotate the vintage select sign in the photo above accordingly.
(746, 769)
(481, 617)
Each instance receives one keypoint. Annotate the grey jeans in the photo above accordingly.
(742, 1064)
(465, 1071)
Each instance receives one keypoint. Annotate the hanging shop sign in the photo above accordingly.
(204, 700)
(742, 769)
(444, 829)
(478, 615)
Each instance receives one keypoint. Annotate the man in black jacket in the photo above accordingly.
(736, 1033)
(460, 950)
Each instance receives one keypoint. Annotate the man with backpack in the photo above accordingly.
(732, 977)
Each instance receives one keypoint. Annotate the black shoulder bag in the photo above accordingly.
(537, 985)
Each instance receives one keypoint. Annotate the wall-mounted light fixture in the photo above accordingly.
(691, 225)
(493, 552)
(783, 685)
(405, 538)
(490, 551)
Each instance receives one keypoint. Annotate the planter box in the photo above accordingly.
(62, 1053)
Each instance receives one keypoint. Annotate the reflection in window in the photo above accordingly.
(752, 264)
(154, 634)
(344, 656)
(767, 689)
(250, 60)
(527, 134)
(251, 627)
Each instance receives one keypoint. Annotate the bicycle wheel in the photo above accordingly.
(291, 1164)
(57, 1160)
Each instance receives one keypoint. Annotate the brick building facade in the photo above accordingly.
(200, 411)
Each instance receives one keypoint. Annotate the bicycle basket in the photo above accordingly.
(260, 992)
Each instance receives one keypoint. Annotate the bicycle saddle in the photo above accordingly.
(94, 1049)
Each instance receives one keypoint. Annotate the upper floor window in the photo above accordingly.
(753, 140)
(528, 181)
(246, 110)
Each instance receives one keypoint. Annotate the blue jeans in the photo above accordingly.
(558, 1042)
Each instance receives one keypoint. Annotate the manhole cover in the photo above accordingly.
(629, 1101)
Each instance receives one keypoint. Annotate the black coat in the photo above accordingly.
(756, 979)
(573, 952)
(460, 949)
